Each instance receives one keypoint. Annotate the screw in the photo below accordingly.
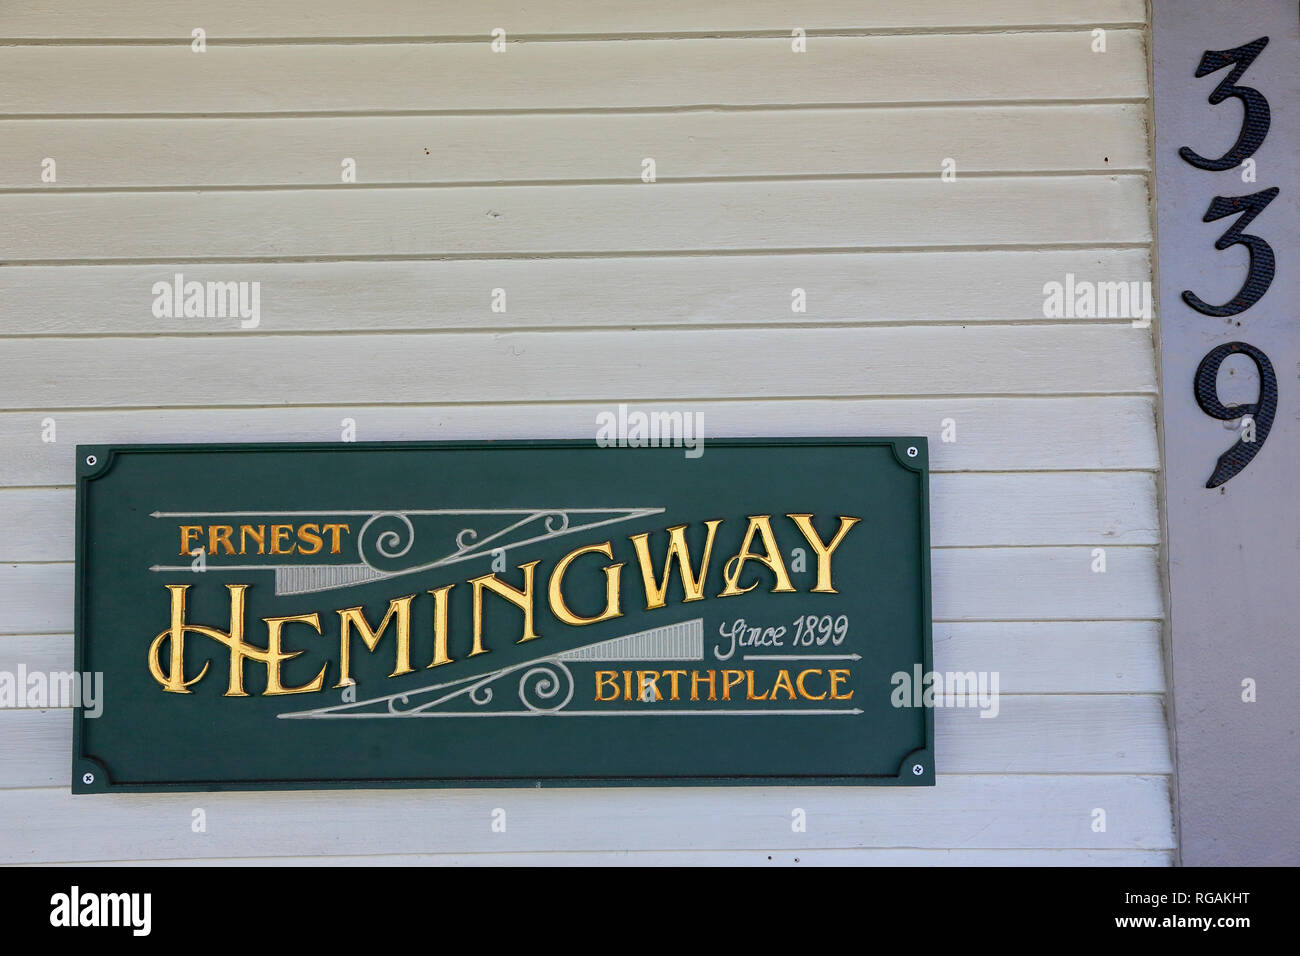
(87, 778)
(912, 452)
(917, 769)
(92, 461)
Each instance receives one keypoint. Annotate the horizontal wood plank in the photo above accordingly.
(1064, 509)
(574, 220)
(648, 365)
(173, 19)
(1045, 584)
(1096, 733)
(1050, 657)
(567, 148)
(641, 292)
(565, 75)
(1058, 657)
(991, 434)
(962, 811)
(38, 598)
(785, 858)
(966, 511)
(968, 584)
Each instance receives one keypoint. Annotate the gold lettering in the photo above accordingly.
(692, 584)
(280, 537)
(310, 534)
(749, 693)
(219, 534)
(730, 679)
(520, 599)
(838, 677)
(824, 551)
(607, 678)
(333, 530)
(696, 682)
(650, 680)
(783, 681)
(276, 657)
(174, 681)
(257, 533)
(803, 691)
(440, 625)
(189, 531)
(763, 525)
(613, 576)
(350, 617)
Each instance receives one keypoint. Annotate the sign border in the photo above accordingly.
(90, 776)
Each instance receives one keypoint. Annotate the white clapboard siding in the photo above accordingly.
(536, 220)
(967, 811)
(967, 511)
(566, 75)
(566, 148)
(174, 19)
(521, 171)
(791, 858)
(969, 584)
(48, 373)
(1033, 584)
(1062, 509)
(1055, 657)
(1036, 657)
(697, 291)
(1086, 433)
(1055, 733)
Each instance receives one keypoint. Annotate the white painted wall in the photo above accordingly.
(522, 171)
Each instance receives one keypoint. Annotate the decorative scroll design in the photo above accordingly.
(386, 542)
(543, 685)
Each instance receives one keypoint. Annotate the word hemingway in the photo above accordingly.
(166, 654)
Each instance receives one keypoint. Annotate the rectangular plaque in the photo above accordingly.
(502, 614)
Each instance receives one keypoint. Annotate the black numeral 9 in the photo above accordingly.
(1261, 411)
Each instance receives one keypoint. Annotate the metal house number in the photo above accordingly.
(1257, 416)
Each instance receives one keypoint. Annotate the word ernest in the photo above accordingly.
(269, 539)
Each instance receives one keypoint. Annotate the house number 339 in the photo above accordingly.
(1257, 416)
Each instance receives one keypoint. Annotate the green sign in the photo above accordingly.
(502, 614)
